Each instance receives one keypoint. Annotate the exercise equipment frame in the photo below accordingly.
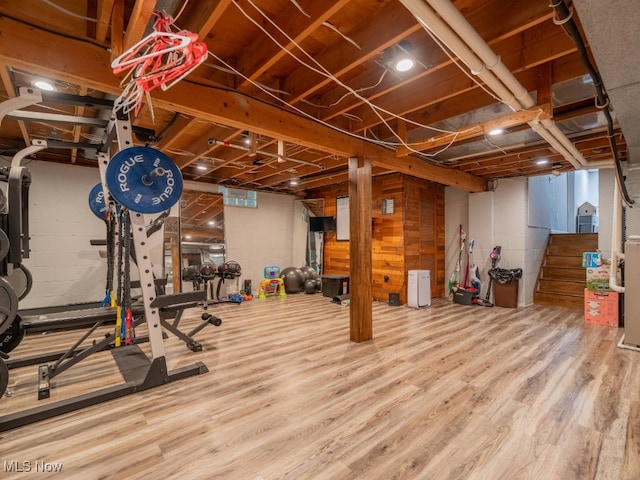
(157, 373)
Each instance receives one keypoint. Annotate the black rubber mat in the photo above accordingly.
(132, 362)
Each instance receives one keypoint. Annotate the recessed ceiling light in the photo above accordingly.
(542, 161)
(42, 85)
(404, 64)
(201, 167)
(496, 131)
(211, 222)
(294, 182)
(187, 237)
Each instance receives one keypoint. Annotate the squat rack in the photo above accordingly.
(117, 127)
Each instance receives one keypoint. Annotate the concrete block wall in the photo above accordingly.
(456, 213)
(66, 268)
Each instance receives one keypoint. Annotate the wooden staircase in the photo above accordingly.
(562, 279)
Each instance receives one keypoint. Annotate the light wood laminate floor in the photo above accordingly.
(445, 392)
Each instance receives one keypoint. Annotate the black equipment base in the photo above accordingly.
(156, 375)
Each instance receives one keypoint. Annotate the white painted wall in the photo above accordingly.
(66, 269)
(547, 203)
(482, 230)
(456, 213)
(606, 186)
(257, 237)
(500, 218)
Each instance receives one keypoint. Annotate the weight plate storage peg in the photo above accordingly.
(8, 304)
(21, 281)
(144, 180)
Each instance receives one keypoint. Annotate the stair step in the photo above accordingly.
(562, 261)
(555, 272)
(559, 300)
(568, 250)
(561, 286)
(588, 241)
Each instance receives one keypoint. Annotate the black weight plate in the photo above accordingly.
(21, 280)
(12, 336)
(4, 244)
(8, 304)
(4, 377)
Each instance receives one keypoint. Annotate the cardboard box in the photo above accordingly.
(601, 308)
(598, 277)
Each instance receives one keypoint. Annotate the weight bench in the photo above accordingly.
(173, 306)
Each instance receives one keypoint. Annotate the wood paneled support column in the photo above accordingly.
(361, 310)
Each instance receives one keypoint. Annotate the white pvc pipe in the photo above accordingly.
(621, 344)
(461, 26)
(473, 50)
(616, 240)
(430, 20)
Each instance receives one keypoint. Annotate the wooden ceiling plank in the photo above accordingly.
(90, 66)
(203, 16)
(117, 29)
(260, 56)
(495, 33)
(77, 130)
(391, 25)
(448, 82)
(182, 125)
(539, 112)
(105, 7)
(138, 21)
(5, 77)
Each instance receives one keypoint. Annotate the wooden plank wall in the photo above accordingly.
(395, 237)
(424, 231)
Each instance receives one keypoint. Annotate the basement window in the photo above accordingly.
(235, 197)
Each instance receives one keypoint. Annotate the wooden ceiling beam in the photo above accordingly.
(182, 125)
(117, 29)
(540, 112)
(138, 21)
(516, 53)
(301, 171)
(515, 18)
(257, 58)
(203, 16)
(5, 77)
(45, 52)
(105, 7)
(595, 140)
(390, 25)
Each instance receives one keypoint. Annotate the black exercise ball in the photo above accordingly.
(319, 284)
(308, 272)
(310, 286)
(293, 280)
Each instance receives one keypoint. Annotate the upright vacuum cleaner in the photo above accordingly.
(495, 258)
